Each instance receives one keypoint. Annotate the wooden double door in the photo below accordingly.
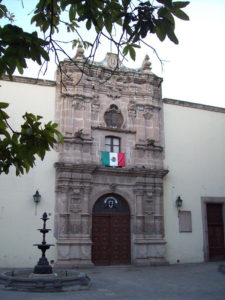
(111, 236)
(215, 231)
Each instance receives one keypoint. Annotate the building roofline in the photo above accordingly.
(194, 105)
(29, 80)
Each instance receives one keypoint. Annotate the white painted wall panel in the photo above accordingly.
(18, 218)
(195, 157)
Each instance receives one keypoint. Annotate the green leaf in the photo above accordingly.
(125, 50)
(180, 4)
(75, 43)
(131, 50)
(3, 105)
(19, 67)
(72, 12)
(132, 53)
(119, 21)
(3, 115)
(108, 25)
(180, 14)
(164, 12)
(165, 2)
(161, 34)
(5, 133)
(88, 24)
(44, 54)
(171, 35)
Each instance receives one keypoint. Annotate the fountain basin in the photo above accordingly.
(60, 281)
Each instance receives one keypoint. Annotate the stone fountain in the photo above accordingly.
(43, 266)
(43, 278)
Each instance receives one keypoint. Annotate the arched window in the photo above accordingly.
(112, 144)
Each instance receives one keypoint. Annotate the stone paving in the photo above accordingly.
(174, 282)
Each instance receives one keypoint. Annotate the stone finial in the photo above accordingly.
(112, 60)
(80, 52)
(146, 65)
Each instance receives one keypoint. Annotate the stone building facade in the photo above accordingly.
(106, 215)
(95, 107)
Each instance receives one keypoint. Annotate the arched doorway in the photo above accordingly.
(111, 231)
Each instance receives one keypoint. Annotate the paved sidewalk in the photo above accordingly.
(174, 282)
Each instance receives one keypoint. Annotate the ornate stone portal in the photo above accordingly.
(125, 105)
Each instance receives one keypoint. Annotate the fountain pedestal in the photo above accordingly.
(43, 266)
(43, 279)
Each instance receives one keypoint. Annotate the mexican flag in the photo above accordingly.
(113, 159)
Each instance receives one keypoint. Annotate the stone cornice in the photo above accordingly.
(74, 140)
(137, 75)
(194, 105)
(113, 129)
(148, 148)
(147, 106)
(91, 168)
(29, 80)
(81, 168)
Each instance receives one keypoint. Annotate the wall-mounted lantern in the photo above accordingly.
(37, 197)
(179, 202)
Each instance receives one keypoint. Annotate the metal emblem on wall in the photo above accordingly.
(110, 202)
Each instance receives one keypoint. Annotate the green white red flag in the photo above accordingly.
(113, 159)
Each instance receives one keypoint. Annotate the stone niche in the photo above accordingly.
(125, 104)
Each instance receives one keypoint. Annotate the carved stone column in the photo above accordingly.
(149, 227)
(149, 244)
(85, 215)
(140, 121)
(78, 108)
(139, 213)
(159, 231)
(148, 115)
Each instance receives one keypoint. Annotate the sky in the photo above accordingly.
(192, 71)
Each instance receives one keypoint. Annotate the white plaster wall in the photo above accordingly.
(195, 157)
(19, 217)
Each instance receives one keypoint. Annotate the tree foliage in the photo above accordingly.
(134, 20)
(18, 148)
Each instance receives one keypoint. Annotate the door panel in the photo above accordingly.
(120, 240)
(215, 231)
(101, 240)
(111, 239)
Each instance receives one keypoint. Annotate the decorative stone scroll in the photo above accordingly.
(132, 108)
(95, 105)
(147, 115)
(113, 93)
(74, 202)
(78, 104)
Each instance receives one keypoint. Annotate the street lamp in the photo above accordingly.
(37, 197)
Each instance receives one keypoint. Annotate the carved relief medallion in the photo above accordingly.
(112, 60)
